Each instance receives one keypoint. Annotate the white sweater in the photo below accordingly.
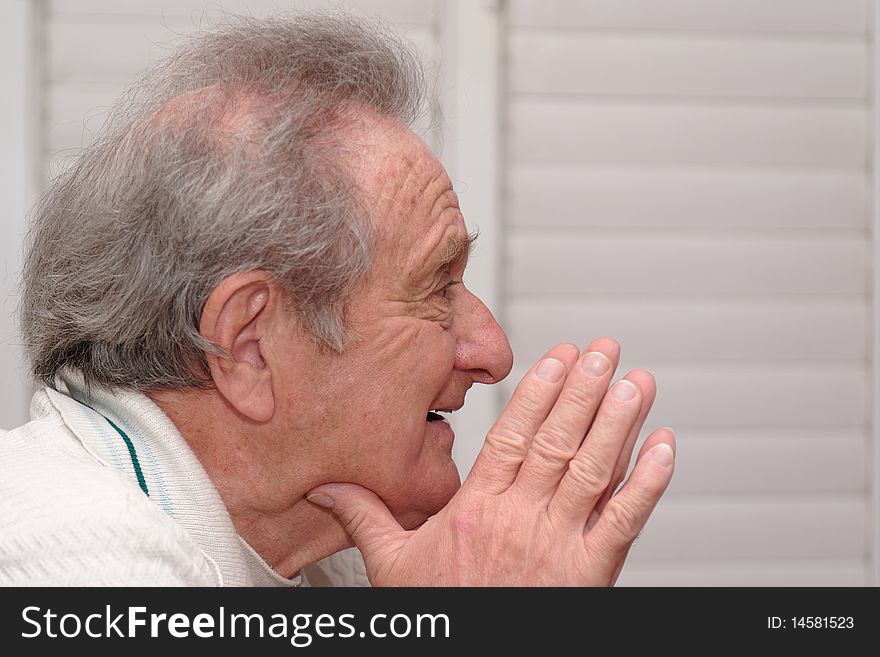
(101, 489)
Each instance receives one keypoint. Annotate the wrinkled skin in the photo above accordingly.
(538, 507)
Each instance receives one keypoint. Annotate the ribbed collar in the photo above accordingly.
(147, 447)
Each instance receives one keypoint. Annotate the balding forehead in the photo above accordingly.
(218, 110)
(393, 178)
(390, 146)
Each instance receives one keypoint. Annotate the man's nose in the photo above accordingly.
(482, 349)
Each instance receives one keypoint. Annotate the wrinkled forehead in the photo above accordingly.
(403, 185)
(392, 164)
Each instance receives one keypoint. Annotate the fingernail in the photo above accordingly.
(595, 363)
(662, 454)
(623, 390)
(321, 500)
(550, 370)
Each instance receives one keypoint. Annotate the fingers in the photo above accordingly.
(589, 473)
(366, 519)
(561, 435)
(627, 512)
(646, 383)
(509, 439)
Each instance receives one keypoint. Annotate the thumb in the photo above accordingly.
(365, 517)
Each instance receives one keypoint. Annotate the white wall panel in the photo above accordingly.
(16, 164)
(693, 178)
(693, 197)
(705, 65)
(615, 132)
(794, 527)
(828, 460)
(398, 11)
(106, 52)
(762, 395)
(818, 16)
(559, 264)
(672, 331)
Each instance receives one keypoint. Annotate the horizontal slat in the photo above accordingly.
(698, 198)
(568, 264)
(672, 331)
(756, 572)
(407, 11)
(751, 395)
(763, 527)
(704, 66)
(671, 133)
(112, 53)
(808, 395)
(824, 16)
(783, 461)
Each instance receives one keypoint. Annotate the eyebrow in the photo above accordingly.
(454, 249)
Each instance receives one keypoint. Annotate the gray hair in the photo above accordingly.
(225, 157)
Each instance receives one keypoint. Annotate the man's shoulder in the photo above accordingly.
(43, 464)
(66, 519)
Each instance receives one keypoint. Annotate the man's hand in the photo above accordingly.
(539, 506)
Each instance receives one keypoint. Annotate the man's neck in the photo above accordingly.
(272, 516)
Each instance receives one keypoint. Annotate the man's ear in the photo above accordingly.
(239, 316)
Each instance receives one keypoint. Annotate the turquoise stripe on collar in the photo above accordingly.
(135, 462)
(134, 457)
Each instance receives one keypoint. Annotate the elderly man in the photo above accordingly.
(245, 304)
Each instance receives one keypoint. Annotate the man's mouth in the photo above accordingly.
(434, 416)
(439, 427)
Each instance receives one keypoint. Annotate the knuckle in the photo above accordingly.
(623, 521)
(582, 393)
(587, 474)
(507, 440)
(521, 413)
(530, 403)
(528, 399)
(553, 444)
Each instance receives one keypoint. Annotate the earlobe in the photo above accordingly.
(238, 317)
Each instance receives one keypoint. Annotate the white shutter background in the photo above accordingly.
(692, 177)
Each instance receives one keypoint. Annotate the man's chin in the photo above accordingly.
(412, 518)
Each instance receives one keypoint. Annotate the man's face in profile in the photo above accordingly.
(423, 338)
